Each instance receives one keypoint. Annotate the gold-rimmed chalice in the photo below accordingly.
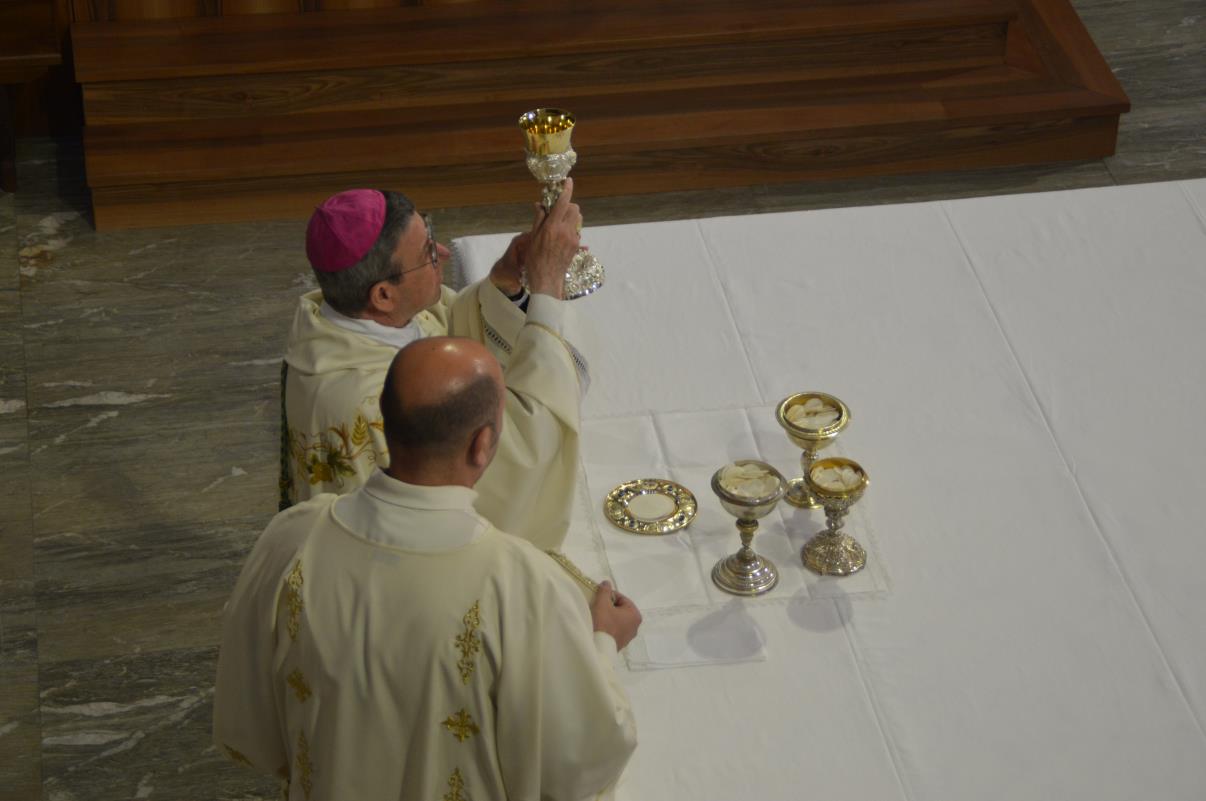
(745, 572)
(812, 420)
(550, 157)
(838, 484)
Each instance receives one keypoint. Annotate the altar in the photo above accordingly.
(1025, 378)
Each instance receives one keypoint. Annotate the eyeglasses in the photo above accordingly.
(433, 253)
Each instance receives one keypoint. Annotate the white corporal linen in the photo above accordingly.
(1040, 633)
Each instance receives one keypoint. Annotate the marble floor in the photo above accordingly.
(138, 423)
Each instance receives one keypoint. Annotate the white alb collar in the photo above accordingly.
(408, 516)
(386, 335)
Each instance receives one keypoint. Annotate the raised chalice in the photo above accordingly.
(838, 484)
(812, 421)
(550, 157)
(748, 490)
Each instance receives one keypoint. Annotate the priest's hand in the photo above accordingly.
(505, 272)
(615, 614)
(555, 238)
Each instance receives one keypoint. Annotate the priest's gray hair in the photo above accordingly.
(438, 429)
(347, 291)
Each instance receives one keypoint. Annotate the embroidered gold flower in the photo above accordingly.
(328, 456)
(461, 725)
(305, 768)
(297, 681)
(455, 785)
(469, 643)
(293, 598)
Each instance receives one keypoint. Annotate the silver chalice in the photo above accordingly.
(812, 420)
(745, 572)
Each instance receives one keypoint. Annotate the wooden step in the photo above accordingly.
(418, 35)
(450, 135)
(668, 95)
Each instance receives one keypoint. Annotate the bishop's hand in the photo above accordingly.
(555, 238)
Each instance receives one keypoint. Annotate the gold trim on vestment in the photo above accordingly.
(469, 643)
(238, 756)
(455, 784)
(297, 681)
(461, 725)
(304, 766)
(293, 598)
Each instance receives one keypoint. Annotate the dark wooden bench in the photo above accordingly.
(229, 118)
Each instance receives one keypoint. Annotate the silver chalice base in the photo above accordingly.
(745, 576)
(834, 554)
(585, 275)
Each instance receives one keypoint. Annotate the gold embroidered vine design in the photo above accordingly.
(297, 681)
(461, 725)
(238, 756)
(328, 456)
(305, 767)
(469, 643)
(455, 785)
(294, 599)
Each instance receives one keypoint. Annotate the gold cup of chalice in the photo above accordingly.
(812, 421)
(838, 484)
(748, 490)
(550, 157)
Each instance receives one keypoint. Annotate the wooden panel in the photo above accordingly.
(1065, 47)
(354, 5)
(126, 10)
(27, 38)
(261, 44)
(262, 115)
(824, 59)
(238, 7)
(655, 171)
(445, 135)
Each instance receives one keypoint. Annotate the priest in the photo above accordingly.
(379, 269)
(392, 643)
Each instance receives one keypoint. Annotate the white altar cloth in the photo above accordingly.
(1025, 375)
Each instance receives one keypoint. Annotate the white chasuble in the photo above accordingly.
(427, 656)
(335, 437)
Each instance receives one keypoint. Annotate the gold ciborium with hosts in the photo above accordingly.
(812, 420)
(838, 484)
(550, 157)
(748, 490)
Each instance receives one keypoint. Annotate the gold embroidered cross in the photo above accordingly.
(469, 643)
(298, 682)
(455, 785)
(461, 725)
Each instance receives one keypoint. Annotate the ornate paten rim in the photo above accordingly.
(828, 431)
(615, 506)
(837, 461)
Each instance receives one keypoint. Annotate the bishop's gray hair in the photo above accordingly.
(347, 291)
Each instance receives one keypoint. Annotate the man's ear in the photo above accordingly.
(481, 447)
(383, 297)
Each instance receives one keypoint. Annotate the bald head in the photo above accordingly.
(438, 395)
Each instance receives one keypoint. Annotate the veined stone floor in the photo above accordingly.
(138, 422)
